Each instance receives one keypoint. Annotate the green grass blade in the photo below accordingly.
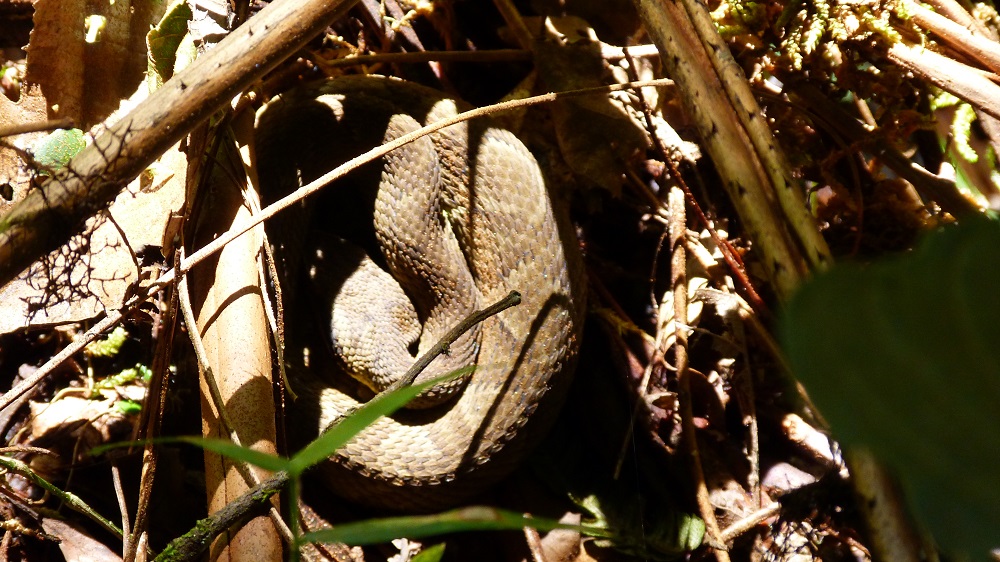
(382, 405)
(229, 449)
(322, 447)
(220, 446)
(475, 518)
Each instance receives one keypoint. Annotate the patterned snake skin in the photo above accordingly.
(461, 218)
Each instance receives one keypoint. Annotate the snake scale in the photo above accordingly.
(460, 218)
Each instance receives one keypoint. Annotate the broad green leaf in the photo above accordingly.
(651, 532)
(473, 518)
(902, 357)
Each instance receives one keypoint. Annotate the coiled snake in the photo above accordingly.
(461, 217)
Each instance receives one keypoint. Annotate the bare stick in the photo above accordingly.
(492, 55)
(678, 282)
(36, 127)
(70, 499)
(234, 515)
(512, 299)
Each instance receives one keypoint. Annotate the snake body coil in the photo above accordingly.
(461, 218)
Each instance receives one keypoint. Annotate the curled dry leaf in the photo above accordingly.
(595, 133)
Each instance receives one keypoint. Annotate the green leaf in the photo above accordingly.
(319, 449)
(163, 41)
(900, 357)
(109, 345)
(475, 518)
(233, 451)
(430, 554)
(58, 148)
(220, 446)
(128, 407)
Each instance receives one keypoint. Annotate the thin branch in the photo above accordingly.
(235, 514)
(493, 55)
(109, 321)
(515, 22)
(513, 298)
(122, 507)
(737, 529)
(70, 499)
(380, 151)
(608, 52)
(40, 126)
(152, 416)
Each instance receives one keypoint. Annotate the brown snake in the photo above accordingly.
(461, 217)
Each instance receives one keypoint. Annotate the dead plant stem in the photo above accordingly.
(678, 283)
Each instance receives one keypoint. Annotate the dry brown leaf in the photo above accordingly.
(595, 133)
(565, 545)
(76, 545)
(30, 109)
(93, 422)
(95, 272)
